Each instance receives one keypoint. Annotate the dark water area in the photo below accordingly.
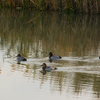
(34, 34)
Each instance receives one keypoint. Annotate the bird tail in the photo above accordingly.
(60, 57)
(24, 59)
(55, 68)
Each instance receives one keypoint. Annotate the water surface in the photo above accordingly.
(34, 34)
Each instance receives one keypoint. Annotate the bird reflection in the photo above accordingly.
(43, 71)
(50, 60)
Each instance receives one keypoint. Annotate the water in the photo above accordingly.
(34, 35)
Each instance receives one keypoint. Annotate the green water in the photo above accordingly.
(34, 34)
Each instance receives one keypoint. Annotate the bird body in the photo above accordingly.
(48, 68)
(20, 58)
(54, 57)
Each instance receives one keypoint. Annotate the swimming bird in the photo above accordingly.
(47, 68)
(20, 58)
(54, 57)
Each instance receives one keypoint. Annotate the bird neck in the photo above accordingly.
(51, 55)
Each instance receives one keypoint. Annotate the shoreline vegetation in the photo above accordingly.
(73, 6)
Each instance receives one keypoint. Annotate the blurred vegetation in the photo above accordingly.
(38, 33)
(80, 6)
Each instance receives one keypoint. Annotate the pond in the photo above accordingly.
(33, 34)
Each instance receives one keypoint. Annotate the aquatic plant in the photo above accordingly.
(81, 6)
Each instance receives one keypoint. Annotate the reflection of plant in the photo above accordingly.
(96, 86)
(28, 70)
(49, 32)
(83, 81)
(62, 81)
(72, 82)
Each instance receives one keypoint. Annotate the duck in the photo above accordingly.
(54, 57)
(47, 68)
(20, 58)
